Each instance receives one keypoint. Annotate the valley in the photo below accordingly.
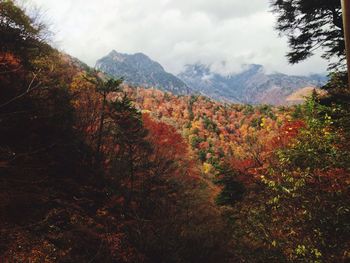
(125, 162)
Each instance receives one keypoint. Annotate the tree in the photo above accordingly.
(21, 35)
(311, 25)
(346, 20)
(129, 148)
(104, 88)
(232, 190)
(22, 46)
(310, 193)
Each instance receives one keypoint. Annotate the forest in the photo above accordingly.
(94, 170)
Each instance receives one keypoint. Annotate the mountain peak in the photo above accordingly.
(140, 70)
(116, 56)
(113, 53)
(141, 55)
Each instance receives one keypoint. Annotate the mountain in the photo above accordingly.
(139, 70)
(253, 85)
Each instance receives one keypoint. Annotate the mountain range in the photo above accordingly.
(253, 85)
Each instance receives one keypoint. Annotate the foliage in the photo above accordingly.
(93, 170)
(337, 85)
(232, 191)
(21, 35)
(310, 25)
(304, 206)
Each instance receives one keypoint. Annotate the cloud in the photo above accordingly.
(220, 9)
(174, 32)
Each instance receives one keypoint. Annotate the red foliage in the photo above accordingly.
(243, 165)
(335, 180)
(287, 133)
(165, 138)
(169, 145)
(11, 75)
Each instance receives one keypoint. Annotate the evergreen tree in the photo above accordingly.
(232, 190)
(131, 159)
(104, 88)
(311, 25)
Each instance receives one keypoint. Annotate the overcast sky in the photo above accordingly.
(223, 33)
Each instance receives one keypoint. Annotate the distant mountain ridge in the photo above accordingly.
(139, 70)
(252, 86)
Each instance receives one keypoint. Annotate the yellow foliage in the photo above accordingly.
(207, 168)
(196, 125)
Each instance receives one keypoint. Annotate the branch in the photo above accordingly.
(28, 90)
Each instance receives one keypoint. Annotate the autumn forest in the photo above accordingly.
(95, 170)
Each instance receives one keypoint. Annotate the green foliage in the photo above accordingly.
(193, 99)
(111, 85)
(209, 124)
(316, 146)
(267, 111)
(299, 209)
(256, 122)
(297, 112)
(282, 108)
(196, 141)
(232, 190)
(337, 81)
(191, 114)
(248, 109)
(202, 155)
(337, 89)
(310, 25)
(320, 207)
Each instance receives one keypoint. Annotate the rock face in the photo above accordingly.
(252, 85)
(140, 70)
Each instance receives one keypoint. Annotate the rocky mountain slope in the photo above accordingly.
(253, 85)
(139, 70)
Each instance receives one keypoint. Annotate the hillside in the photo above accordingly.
(301, 95)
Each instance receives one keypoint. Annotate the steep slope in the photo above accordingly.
(253, 85)
(140, 70)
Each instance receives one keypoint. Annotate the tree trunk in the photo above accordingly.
(100, 131)
(346, 22)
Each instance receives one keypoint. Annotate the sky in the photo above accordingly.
(225, 34)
